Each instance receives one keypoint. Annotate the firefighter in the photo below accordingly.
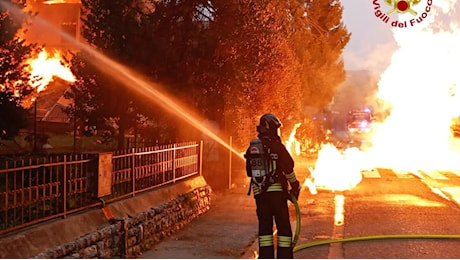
(271, 202)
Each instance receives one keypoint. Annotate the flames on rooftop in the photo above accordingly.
(50, 63)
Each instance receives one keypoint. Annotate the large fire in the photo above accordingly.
(45, 67)
(336, 170)
(292, 145)
(421, 86)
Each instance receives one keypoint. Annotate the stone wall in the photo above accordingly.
(129, 237)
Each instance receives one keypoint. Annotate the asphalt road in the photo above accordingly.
(384, 203)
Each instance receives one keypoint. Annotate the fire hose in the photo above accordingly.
(351, 239)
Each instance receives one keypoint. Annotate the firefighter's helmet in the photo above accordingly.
(269, 124)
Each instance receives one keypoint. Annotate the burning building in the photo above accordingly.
(62, 14)
(50, 73)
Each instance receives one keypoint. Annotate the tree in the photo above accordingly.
(257, 67)
(100, 101)
(325, 70)
(14, 78)
(178, 53)
(277, 57)
(13, 116)
(158, 39)
(241, 58)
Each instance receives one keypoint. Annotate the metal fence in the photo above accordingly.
(36, 190)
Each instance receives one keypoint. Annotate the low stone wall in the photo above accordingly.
(129, 237)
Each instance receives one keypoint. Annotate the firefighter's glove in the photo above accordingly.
(295, 189)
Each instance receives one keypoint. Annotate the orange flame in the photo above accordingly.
(335, 170)
(339, 202)
(50, 2)
(422, 86)
(292, 145)
(44, 68)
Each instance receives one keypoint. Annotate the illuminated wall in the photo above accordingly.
(64, 15)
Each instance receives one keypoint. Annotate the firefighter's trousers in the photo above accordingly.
(273, 206)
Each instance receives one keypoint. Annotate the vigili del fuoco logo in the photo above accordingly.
(412, 12)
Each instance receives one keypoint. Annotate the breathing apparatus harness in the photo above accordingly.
(262, 164)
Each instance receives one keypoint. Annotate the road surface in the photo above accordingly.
(384, 203)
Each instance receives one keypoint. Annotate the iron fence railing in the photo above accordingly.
(36, 190)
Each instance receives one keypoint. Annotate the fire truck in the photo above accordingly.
(359, 122)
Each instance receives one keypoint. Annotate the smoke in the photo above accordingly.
(380, 57)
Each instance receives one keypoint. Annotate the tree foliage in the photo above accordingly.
(100, 101)
(155, 39)
(14, 78)
(257, 65)
(277, 57)
(325, 71)
(231, 60)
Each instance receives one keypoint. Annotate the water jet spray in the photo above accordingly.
(132, 79)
